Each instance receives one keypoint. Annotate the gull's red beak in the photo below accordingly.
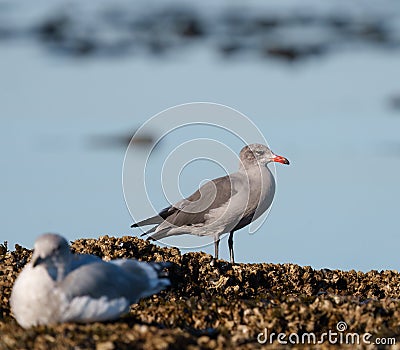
(280, 159)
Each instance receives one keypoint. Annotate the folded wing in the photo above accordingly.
(104, 290)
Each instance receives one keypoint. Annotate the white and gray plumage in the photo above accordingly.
(58, 286)
(222, 205)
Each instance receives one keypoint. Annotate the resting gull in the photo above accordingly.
(222, 205)
(58, 286)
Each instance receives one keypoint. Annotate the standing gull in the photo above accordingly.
(222, 205)
(59, 286)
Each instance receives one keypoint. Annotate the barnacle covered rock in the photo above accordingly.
(215, 307)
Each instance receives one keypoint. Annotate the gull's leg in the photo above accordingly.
(230, 244)
(216, 249)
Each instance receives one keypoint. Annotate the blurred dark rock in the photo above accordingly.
(120, 141)
(216, 307)
(5, 33)
(374, 32)
(394, 102)
(292, 53)
(125, 28)
(54, 29)
(230, 48)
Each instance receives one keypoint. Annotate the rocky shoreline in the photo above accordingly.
(221, 306)
(291, 33)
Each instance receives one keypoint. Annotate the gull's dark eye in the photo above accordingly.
(259, 152)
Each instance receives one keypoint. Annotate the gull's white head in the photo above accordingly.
(49, 250)
(256, 153)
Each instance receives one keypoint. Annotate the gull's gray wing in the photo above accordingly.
(195, 209)
(192, 210)
(150, 276)
(83, 259)
(129, 279)
(104, 290)
(157, 219)
(244, 221)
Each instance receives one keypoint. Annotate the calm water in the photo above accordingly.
(336, 205)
